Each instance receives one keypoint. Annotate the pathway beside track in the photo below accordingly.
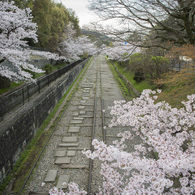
(82, 121)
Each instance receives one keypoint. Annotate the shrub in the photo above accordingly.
(147, 66)
(159, 65)
(4, 82)
(48, 68)
(138, 76)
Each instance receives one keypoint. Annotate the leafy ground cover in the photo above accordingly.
(176, 86)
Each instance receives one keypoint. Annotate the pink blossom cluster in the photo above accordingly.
(74, 47)
(15, 27)
(120, 51)
(73, 189)
(167, 132)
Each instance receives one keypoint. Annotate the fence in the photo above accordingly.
(17, 131)
(20, 96)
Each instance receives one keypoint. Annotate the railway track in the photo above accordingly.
(84, 119)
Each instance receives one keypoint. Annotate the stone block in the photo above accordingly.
(63, 181)
(60, 153)
(85, 98)
(74, 166)
(78, 118)
(75, 113)
(81, 107)
(62, 160)
(70, 139)
(76, 121)
(51, 176)
(74, 129)
(38, 193)
(71, 153)
(82, 112)
(68, 145)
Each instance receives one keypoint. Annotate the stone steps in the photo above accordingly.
(69, 146)
(74, 166)
(51, 176)
(38, 193)
(63, 181)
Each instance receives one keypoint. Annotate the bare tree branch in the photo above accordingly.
(174, 18)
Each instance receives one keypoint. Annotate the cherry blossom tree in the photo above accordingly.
(166, 132)
(120, 51)
(15, 28)
(75, 47)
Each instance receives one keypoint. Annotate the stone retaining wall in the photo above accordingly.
(129, 85)
(20, 96)
(17, 133)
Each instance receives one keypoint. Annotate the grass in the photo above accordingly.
(12, 86)
(126, 93)
(28, 157)
(146, 84)
(37, 75)
(56, 67)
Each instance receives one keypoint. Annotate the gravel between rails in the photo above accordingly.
(98, 82)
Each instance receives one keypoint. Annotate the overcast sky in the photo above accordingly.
(80, 7)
